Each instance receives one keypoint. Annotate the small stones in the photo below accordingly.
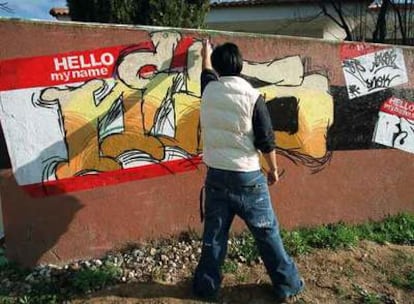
(137, 253)
(165, 260)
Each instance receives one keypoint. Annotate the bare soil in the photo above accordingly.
(358, 275)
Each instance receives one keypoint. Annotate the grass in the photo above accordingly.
(332, 236)
(405, 277)
(95, 278)
(55, 291)
(397, 229)
(229, 266)
(366, 297)
(243, 249)
(341, 292)
(405, 280)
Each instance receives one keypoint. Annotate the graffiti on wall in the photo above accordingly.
(131, 112)
(395, 126)
(375, 71)
(300, 106)
(372, 73)
(146, 113)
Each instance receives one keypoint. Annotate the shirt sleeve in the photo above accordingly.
(264, 138)
(207, 75)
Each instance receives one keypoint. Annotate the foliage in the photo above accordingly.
(179, 13)
(243, 249)
(175, 13)
(406, 280)
(405, 276)
(366, 297)
(95, 278)
(229, 266)
(332, 236)
(56, 290)
(10, 270)
(39, 293)
(398, 229)
(3, 259)
(295, 242)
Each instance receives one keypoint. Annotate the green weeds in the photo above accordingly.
(398, 229)
(91, 279)
(48, 291)
(404, 280)
(366, 297)
(405, 277)
(243, 249)
(332, 236)
(229, 266)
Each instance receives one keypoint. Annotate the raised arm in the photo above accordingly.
(207, 73)
(206, 55)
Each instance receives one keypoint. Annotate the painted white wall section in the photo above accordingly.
(374, 72)
(27, 122)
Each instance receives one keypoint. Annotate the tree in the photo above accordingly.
(176, 13)
(335, 11)
(383, 21)
(402, 12)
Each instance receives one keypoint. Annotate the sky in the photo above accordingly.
(31, 9)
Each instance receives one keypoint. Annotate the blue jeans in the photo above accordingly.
(246, 194)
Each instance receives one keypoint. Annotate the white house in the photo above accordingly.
(281, 17)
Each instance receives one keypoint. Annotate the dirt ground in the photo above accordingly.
(358, 275)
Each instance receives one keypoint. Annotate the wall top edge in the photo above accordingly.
(202, 32)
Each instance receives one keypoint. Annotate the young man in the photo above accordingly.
(235, 126)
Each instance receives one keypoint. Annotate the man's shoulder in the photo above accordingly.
(249, 89)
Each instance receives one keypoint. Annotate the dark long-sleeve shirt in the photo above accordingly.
(264, 139)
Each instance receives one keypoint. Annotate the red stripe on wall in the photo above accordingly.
(77, 66)
(350, 50)
(58, 69)
(111, 178)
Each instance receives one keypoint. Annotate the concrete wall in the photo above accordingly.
(101, 126)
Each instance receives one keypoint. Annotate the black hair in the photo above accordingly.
(227, 60)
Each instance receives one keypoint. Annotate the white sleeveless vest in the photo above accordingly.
(226, 124)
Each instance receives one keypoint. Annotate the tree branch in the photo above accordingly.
(380, 31)
(5, 7)
(342, 23)
(401, 25)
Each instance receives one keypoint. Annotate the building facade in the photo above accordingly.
(279, 17)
